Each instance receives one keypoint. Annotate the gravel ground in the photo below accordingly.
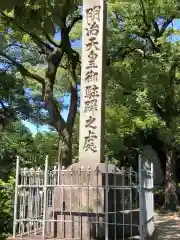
(167, 226)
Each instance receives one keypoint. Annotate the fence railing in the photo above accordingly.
(80, 203)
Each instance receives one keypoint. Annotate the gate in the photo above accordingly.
(83, 203)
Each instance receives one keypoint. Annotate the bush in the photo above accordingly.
(6, 207)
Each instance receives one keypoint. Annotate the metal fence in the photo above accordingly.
(80, 203)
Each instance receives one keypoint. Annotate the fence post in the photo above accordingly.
(107, 204)
(140, 198)
(152, 185)
(16, 197)
(45, 196)
(152, 198)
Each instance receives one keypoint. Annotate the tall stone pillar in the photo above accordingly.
(91, 144)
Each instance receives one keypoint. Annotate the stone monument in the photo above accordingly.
(148, 154)
(91, 137)
(91, 144)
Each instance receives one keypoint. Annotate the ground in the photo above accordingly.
(167, 226)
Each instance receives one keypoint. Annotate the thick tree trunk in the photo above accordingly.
(56, 120)
(171, 196)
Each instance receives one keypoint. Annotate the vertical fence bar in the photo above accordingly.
(79, 203)
(152, 196)
(62, 183)
(152, 185)
(55, 182)
(97, 199)
(140, 199)
(58, 175)
(88, 200)
(115, 204)
(131, 199)
(71, 232)
(16, 197)
(106, 206)
(45, 196)
(36, 201)
(24, 203)
(137, 194)
(123, 184)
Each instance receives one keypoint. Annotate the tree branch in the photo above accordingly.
(160, 32)
(119, 17)
(24, 72)
(2, 105)
(73, 100)
(166, 24)
(73, 60)
(156, 28)
(4, 70)
(158, 110)
(74, 21)
(19, 46)
(49, 39)
(45, 48)
(148, 26)
(122, 53)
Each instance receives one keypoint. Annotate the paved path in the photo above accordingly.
(167, 226)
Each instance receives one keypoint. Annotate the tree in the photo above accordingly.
(14, 103)
(35, 24)
(149, 71)
(15, 140)
(47, 144)
(6, 207)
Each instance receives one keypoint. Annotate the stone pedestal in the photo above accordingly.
(79, 204)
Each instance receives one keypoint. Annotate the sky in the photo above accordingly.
(77, 44)
(176, 26)
(33, 127)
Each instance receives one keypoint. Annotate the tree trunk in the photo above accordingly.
(171, 196)
(59, 148)
(66, 152)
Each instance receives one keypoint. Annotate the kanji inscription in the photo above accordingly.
(93, 14)
(91, 76)
(92, 57)
(91, 117)
(93, 30)
(90, 122)
(89, 143)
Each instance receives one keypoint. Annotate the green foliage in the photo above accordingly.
(15, 139)
(6, 207)
(46, 145)
(143, 81)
